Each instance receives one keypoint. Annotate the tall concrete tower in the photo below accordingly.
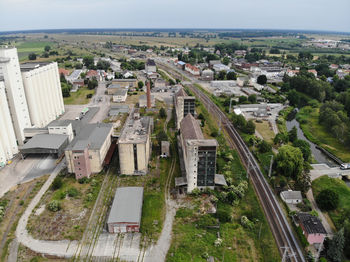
(8, 144)
(10, 70)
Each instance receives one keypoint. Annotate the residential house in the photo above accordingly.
(192, 69)
(312, 227)
(291, 197)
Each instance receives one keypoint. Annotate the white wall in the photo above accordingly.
(8, 145)
(9, 67)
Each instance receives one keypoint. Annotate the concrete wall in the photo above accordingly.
(8, 144)
(9, 67)
(62, 130)
(179, 111)
(126, 159)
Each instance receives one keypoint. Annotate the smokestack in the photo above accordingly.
(149, 105)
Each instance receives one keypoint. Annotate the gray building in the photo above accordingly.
(126, 211)
(184, 105)
(45, 144)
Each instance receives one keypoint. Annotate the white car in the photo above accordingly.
(345, 166)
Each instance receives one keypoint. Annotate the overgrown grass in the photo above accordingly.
(79, 97)
(319, 134)
(342, 189)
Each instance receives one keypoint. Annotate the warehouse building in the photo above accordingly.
(45, 144)
(126, 211)
(199, 157)
(87, 152)
(134, 145)
(43, 92)
(184, 105)
(120, 95)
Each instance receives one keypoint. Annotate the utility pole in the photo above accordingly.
(270, 165)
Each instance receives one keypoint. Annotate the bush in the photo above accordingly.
(88, 96)
(302, 237)
(264, 147)
(57, 183)
(224, 215)
(72, 192)
(206, 221)
(327, 199)
(83, 180)
(54, 206)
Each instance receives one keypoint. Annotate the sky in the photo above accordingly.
(255, 14)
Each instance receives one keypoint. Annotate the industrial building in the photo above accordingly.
(120, 95)
(150, 66)
(184, 105)
(134, 145)
(43, 92)
(8, 144)
(45, 144)
(125, 83)
(199, 157)
(126, 211)
(16, 97)
(87, 152)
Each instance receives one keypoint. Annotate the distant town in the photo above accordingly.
(196, 145)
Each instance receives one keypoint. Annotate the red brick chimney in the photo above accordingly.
(149, 104)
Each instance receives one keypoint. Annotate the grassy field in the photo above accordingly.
(26, 47)
(342, 189)
(70, 221)
(319, 134)
(79, 97)
(265, 130)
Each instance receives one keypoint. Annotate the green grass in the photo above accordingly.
(79, 97)
(342, 189)
(319, 134)
(27, 47)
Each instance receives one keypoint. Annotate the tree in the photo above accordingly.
(221, 75)
(242, 99)
(226, 60)
(293, 97)
(57, 183)
(293, 134)
(336, 247)
(290, 162)
(280, 138)
(54, 206)
(249, 128)
(32, 56)
(88, 61)
(162, 113)
(262, 80)
(63, 78)
(103, 65)
(140, 84)
(171, 82)
(92, 84)
(162, 136)
(231, 76)
(304, 147)
(47, 48)
(264, 147)
(327, 199)
(252, 99)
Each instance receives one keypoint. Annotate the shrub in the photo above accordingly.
(57, 183)
(206, 221)
(54, 206)
(224, 215)
(327, 199)
(264, 147)
(72, 192)
(83, 180)
(302, 237)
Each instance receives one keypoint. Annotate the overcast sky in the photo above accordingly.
(266, 14)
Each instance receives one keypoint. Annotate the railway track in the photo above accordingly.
(288, 245)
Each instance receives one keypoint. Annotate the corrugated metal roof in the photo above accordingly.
(46, 141)
(127, 205)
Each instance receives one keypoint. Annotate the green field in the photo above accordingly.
(342, 189)
(318, 134)
(79, 97)
(27, 47)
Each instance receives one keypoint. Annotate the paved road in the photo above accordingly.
(323, 169)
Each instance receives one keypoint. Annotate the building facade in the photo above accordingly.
(184, 105)
(16, 97)
(8, 144)
(43, 92)
(134, 145)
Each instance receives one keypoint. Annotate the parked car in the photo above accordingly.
(345, 166)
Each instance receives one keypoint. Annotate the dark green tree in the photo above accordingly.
(262, 80)
(293, 134)
(336, 247)
(88, 61)
(162, 113)
(290, 162)
(264, 147)
(304, 147)
(231, 76)
(327, 199)
(47, 48)
(32, 56)
(140, 84)
(252, 99)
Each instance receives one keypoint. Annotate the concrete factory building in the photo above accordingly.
(8, 144)
(86, 153)
(16, 97)
(126, 210)
(134, 145)
(199, 156)
(43, 92)
(184, 105)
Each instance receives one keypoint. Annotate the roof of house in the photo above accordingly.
(63, 71)
(94, 134)
(127, 205)
(291, 195)
(311, 224)
(92, 73)
(190, 128)
(121, 92)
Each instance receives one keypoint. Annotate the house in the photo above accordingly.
(214, 62)
(120, 95)
(180, 64)
(291, 197)
(333, 67)
(207, 75)
(93, 73)
(78, 83)
(150, 66)
(134, 145)
(240, 52)
(86, 153)
(126, 210)
(220, 67)
(63, 71)
(312, 228)
(126, 83)
(313, 71)
(192, 69)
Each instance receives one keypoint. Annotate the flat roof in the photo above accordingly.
(135, 130)
(47, 141)
(127, 205)
(121, 92)
(93, 135)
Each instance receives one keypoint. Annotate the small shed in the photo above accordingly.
(291, 197)
(165, 146)
(126, 210)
